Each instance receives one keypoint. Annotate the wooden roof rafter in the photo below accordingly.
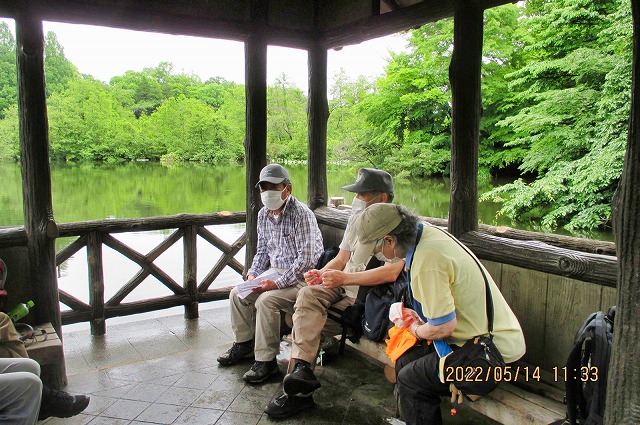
(406, 18)
(234, 20)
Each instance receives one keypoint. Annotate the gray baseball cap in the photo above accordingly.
(273, 173)
(371, 180)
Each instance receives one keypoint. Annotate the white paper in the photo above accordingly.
(245, 288)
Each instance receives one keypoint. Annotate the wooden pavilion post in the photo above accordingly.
(190, 272)
(36, 176)
(317, 116)
(623, 381)
(255, 142)
(464, 74)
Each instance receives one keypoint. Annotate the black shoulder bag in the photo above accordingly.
(476, 367)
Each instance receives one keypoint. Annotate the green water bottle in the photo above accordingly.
(20, 311)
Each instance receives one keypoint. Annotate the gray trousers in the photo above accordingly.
(258, 317)
(20, 391)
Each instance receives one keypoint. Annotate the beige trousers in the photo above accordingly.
(310, 320)
(258, 317)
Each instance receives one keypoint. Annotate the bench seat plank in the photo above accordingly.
(508, 404)
(46, 351)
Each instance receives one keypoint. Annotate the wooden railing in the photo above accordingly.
(95, 234)
(583, 259)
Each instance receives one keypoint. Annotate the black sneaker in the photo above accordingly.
(301, 381)
(237, 352)
(260, 371)
(287, 405)
(61, 405)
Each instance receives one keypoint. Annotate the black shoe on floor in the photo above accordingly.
(287, 405)
(301, 381)
(61, 405)
(260, 371)
(237, 352)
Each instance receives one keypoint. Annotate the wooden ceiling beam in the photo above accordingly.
(166, 19)
(390, 23)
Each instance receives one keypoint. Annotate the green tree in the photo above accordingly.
(8, 73)
(347, 127)
(59, 71)
(286, 121)
(138, 91)
(9, 135)
(187, 130)
(87, 123)
(232, 113)
(572, 123)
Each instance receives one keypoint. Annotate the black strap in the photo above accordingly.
(489, 300)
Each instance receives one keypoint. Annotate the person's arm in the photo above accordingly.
(433, 332)
(387, 273)
(314, 276)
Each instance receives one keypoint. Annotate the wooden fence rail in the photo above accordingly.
(559, 255)
(95, 234)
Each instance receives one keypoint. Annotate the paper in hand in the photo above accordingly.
(245, 288)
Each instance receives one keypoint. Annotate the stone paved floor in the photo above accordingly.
(164, 371)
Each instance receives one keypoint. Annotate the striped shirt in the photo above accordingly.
(290, 241)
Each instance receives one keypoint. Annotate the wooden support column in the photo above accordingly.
(96, 283)
(255, 141)
(623, 382)
(464, 75)
(36, 174)
(317, 116)
(191, 271)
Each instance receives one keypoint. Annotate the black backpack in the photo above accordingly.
(369, 315)
(378, 300)
(587, 369)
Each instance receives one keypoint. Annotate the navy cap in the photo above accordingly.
(371, 180)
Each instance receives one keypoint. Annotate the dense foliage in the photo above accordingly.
(555, 85)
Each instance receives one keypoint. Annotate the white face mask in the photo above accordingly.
(381, 257)
(358, 205)
(272, 199)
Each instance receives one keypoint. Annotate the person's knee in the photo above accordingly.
(402, 378)
(33, 367)
(267, 301)
(30, 383)
(305, 294)
(233, 294)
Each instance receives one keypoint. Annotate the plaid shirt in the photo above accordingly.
(291, 241)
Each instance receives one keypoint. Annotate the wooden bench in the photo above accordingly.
(533, 399)
(47, 351)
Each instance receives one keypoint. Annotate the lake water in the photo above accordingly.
(144, 189)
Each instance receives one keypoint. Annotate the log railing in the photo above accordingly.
(95, 234)
(576, 258)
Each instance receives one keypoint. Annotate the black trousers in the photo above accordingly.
(419, 387)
